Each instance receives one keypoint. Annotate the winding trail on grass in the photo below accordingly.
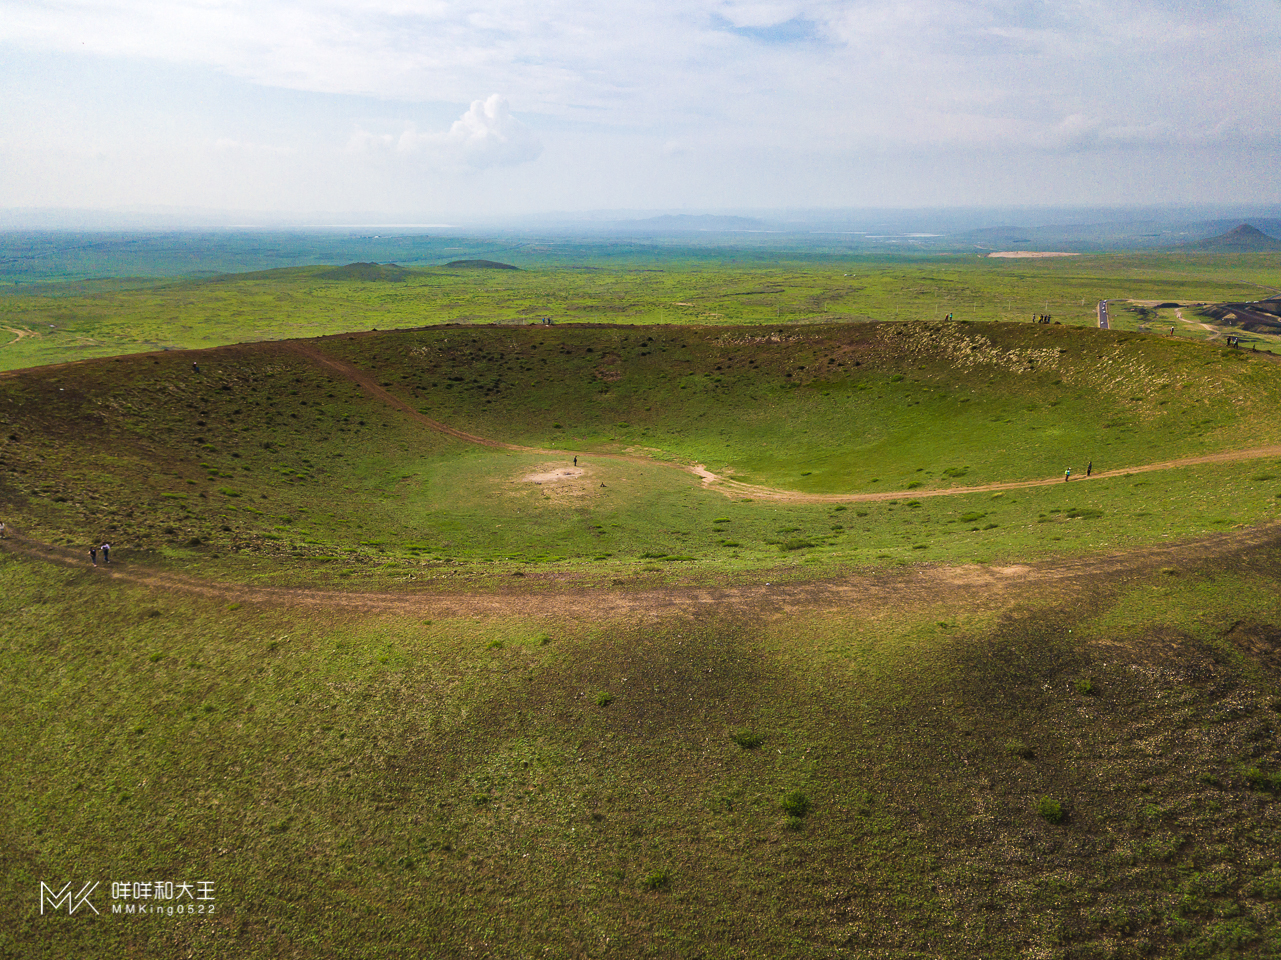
(1214, 331)
(769, 493)
(371, 386)
(19, 335)
(871, 594)
(736, 488)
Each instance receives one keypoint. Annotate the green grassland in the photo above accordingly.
(835, 408)
(263, 454)
(397, 692)
(80, 320)
(1090, 771)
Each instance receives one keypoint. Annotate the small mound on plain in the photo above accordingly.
(372, 272)
(481, 265)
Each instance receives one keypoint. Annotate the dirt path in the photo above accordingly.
(730, 487)
(366, 382)
(1205, 326)
(18, 335)
(869, 593)
(768, 493)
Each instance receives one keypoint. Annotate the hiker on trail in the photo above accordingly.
(1067, 474)
(1089, 467)
(106, 553)
(1172, 331)
(93, 555)
(195, 366)
(575, 461)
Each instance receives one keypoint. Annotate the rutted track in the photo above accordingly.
(19, 334)
(868, 593)
(372, 387)
(731, 487)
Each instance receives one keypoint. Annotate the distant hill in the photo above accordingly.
(481, 265)
(385, 272)
(1242, 239)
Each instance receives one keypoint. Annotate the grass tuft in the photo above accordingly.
(1264, 782)
(747, 739)
(796, 804)
(657, 880)
(1050, 810)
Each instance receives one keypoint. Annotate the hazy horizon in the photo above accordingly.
(941, 221)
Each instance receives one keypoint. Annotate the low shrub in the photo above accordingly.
(796, 804)
(789, 545)
(1050, 810)
(1265, 782)
(747, 739)
(657, 880)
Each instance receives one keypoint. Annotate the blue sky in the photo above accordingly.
(441, 109)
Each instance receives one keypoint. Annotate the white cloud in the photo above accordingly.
(487, 135)
(769, 90)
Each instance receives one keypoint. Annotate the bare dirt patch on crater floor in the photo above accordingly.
(562, 481)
